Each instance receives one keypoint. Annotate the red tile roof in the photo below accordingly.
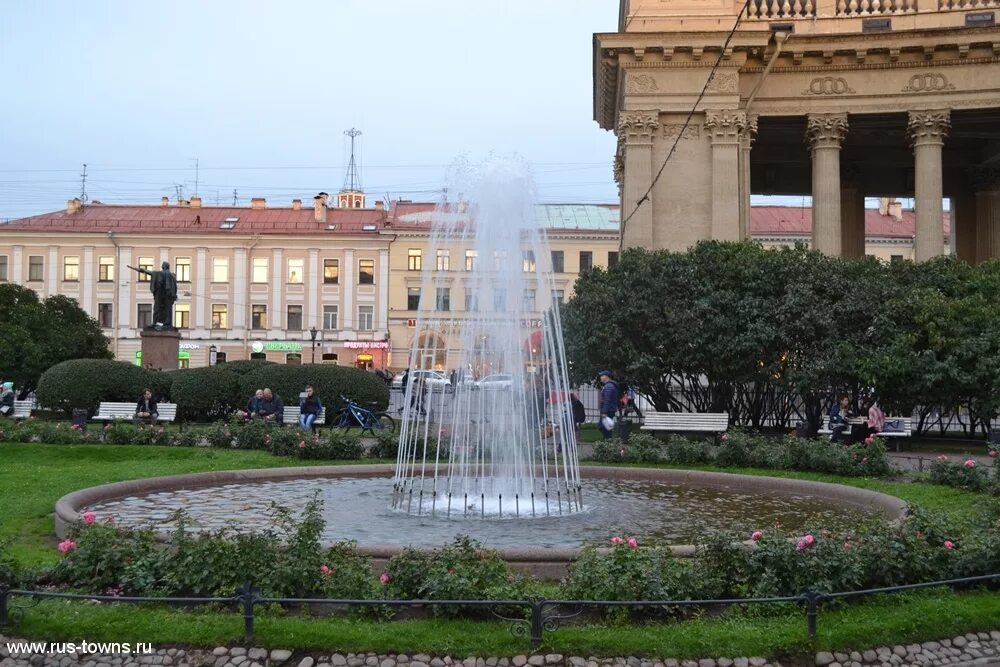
(797, 220)
(208, 219)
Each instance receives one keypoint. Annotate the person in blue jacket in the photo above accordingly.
(309, 408)
(609, 402)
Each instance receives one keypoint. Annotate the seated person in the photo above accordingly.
(271, 408)
(253, 405)
(7, 400)
(309, 408)
(145, 408)
(876, 418)
(839, 414)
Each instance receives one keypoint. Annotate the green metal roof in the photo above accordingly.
(598, 217)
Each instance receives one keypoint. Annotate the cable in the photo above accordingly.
(687, 121)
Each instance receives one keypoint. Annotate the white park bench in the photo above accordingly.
(686, 422)
(897, 427)
(291, 416)
(108, 411)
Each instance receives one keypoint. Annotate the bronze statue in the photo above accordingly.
(163, 285)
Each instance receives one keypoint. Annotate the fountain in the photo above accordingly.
(505, 424)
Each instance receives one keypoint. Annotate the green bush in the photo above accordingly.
(209, 393)
(641, 448)
(328, 382)
(84, 383)
(967, 474)
(687, 451)
(244, 366)
(386, 446)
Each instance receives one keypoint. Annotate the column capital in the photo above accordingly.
(638, 126)
(725, 125)
(826, 130)
(749, 133)
(928, 127)
(985, 179)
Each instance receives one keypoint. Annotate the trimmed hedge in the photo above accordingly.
(328, 383)
(84, 383)
(244, 366)
(205, 394)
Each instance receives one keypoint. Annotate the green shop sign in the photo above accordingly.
(276, 346)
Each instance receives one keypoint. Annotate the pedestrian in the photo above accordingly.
(876, 418)
(579, 413)
(608, 405)
(309, 408)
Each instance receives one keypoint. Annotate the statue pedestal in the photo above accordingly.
(159, 349)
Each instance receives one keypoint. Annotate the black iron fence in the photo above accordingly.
(539, 615)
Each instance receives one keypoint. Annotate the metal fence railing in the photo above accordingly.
(538, 615)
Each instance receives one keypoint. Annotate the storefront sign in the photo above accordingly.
(257, 347)
(367, 345)
(280, 346)
(181, 354)
(190, 346)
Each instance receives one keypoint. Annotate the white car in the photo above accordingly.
(436, 380)
(496, 382)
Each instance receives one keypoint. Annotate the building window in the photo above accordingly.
(105, 269)
(293, 318)
(412, 298)
(443, 260)
(295, 270)
(258, 316)
(895, 259)
(259, 270)
(586, 261)
(182, 315)
(612, 259)
(220, 316)
(183, 269)
(331, 271)
(500, 299)
(329, 358)
(470, 259)
(105, 315)
(144, 315)
(220, 270)
(471, 301)
(528, 261)
(558, 261)
(36, 265)
(330, 318)
(558, 296)
(443, 301)
(366, 317)
(147, 264)
(71, 268)
(3, 268)
(414, 261)
(366, 272)
(529, 299)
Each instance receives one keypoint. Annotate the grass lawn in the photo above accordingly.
(34, 476)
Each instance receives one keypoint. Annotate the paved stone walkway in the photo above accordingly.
(970, 649)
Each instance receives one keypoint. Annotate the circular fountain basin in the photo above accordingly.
(666, 506)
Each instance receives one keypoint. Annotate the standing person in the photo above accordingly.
(7, 400)
(609, 403)
(145, 408)
(272, 409)
(309, 408)
(839, 414)
(876, 418)
(579, 412)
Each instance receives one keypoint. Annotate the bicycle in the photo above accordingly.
(352, 414)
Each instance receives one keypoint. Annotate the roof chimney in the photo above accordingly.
(379, 205)
(258, 202)
(896, 210)
(296, 204)
(164, 201)
(183, 203)
(196, 202)
(73, 205)
(319, 207)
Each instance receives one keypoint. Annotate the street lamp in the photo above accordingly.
(213, 353)
(312, 335)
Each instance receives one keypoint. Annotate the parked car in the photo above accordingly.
(496, 382)
(436, 380)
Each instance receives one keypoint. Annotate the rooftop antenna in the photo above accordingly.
(352, 181)
(195, 176)
(236, 199)
(83, 184)
(179, 188)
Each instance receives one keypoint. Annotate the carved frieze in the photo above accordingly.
(671, 130)
(927, 82)
(723, 82)
(826, 130)
(828, 85)
(928, 126)
(641, 83)
(725, 124)
(638, 125)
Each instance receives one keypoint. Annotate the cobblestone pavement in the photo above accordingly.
(971, 649)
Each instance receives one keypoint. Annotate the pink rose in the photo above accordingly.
(324, 569)
(384, 578)
(869, 440)
(302, 444)
(805, 542)
(847, 545)
(942, 457)
(616, 540)
(993, 453)
(757, 534)
(948, 544)
(89, 518)
(724, 437)
(824, 533)
(633, 543)
(66, 546)
(969, 463)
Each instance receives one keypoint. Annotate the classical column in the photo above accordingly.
(852, 212)
(987, 185)
(638, 128)
(724, 131)
(825, 133)
(747, 137)
(927, 130)
(963, 226)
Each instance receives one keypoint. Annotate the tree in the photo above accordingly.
(39, 334)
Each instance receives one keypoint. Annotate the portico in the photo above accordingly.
(831, 99)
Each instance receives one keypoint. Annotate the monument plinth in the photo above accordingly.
(159, 348)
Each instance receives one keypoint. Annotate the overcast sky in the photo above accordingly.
(261, 93)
